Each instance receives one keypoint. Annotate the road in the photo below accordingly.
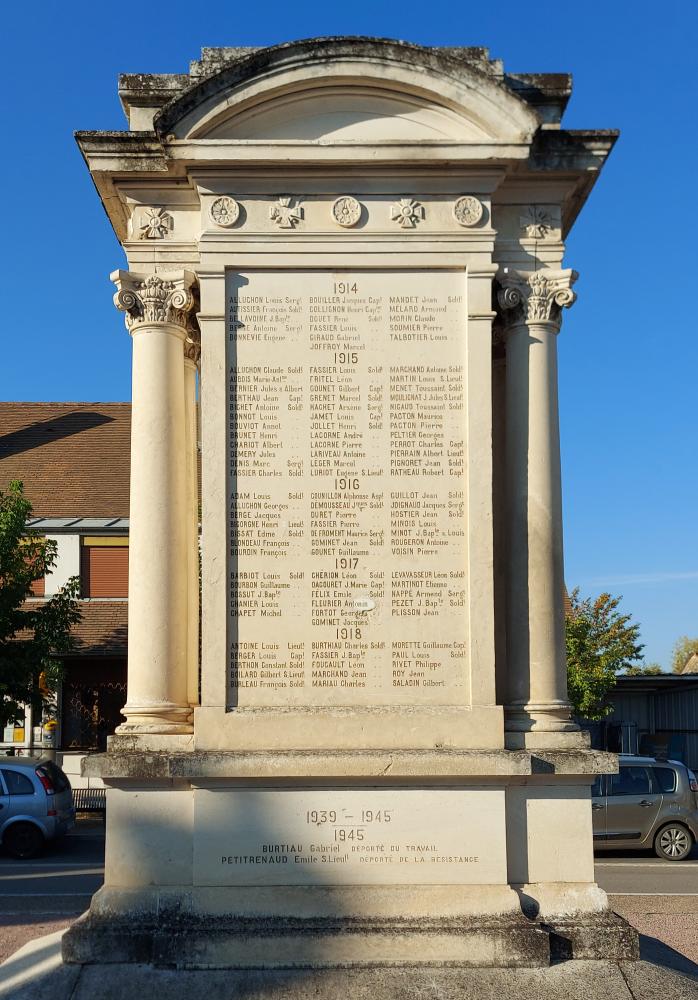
(64, 878)
(60, 881)
(641, 873)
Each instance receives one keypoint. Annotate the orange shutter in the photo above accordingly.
(104, 571)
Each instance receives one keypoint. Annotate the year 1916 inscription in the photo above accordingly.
(347, 491)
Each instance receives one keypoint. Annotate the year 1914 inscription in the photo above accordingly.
(346, 472)
(332, 837)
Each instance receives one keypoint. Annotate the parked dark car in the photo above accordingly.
(36, 805)
(650, 803)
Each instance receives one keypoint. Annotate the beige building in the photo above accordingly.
(356, 248)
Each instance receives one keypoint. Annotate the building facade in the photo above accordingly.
(73, 459)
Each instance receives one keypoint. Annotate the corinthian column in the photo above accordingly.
(158, 311)
(537, 712)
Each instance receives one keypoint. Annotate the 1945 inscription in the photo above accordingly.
(346, 471)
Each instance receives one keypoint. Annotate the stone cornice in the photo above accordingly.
(528, 297)
(154, 299)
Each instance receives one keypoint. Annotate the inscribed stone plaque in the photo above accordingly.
(347, 490)
(332, 837)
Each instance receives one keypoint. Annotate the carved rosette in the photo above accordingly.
(535, 297)
(151, 299)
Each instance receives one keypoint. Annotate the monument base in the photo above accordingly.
(37, 970)
(183, 941)
(332, 859)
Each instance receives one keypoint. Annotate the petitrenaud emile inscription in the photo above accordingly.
(347, 532)
(331, 836)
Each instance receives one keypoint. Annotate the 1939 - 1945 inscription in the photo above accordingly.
(347, 452)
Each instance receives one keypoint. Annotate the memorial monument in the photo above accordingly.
(365, 756)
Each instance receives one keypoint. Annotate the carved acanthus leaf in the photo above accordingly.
(156, 298)
(535, 297)
(192, 346)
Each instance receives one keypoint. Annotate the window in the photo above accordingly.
(104, 566)
(666, 778)
(597, 787)
(17, 783)
(631, 781)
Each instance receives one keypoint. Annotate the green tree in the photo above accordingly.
(31, 638)
(684, 648)
(643, 670)
(601, 641)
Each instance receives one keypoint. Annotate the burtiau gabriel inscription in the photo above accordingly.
(346, 437)
(347, 740)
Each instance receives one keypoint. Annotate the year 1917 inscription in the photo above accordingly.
(347, 491)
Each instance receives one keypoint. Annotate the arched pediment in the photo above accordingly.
(349, 90)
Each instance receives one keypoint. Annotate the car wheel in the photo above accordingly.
(673, 842)
(23, 840)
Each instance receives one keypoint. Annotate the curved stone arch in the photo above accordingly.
(454, 99)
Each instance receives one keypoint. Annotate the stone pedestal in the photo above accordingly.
(222, 860)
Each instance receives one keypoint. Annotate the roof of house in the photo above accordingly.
(101, 631)
(73, 458)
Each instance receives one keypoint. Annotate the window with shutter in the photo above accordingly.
(104, 567)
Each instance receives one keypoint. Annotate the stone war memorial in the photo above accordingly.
(347, 747)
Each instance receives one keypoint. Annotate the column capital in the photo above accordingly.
(168, 297)
(192, 346)
(526, 297)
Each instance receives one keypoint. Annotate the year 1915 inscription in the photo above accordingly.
(347, 491)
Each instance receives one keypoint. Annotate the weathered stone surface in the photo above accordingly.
(125, 761)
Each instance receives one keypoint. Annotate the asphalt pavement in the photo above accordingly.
(641, 873)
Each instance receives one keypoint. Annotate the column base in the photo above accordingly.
(541, 724)
(161, 718)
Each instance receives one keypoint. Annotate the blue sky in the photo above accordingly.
(629, 347)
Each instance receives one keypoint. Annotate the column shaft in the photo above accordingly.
(157, 308)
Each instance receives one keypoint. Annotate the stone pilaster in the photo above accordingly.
(537, 711)
(192, 354)
(159, 310)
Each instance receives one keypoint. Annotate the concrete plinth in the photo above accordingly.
(36, 973)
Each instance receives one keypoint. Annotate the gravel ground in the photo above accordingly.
(668, 927)
(18, 930)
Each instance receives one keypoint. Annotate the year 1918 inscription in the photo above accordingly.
(347, 491)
